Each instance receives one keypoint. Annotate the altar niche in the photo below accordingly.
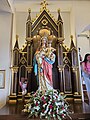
(65, 69)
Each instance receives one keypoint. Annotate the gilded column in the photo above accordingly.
(28, 25)
(29, 70)
(60, 63)
(60, 50)
(15, 66)
(15, 80)
(29, 50)
(75, 67)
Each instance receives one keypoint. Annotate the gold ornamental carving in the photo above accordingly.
(76, 93)
(44, 22)
(44, 4)
(29, 69)
(29, 39)
(17, 37)
(23, 61)
(60, 39)
(75, 68)
(60, 68)
(15, 69)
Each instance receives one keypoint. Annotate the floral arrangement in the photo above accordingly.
(50, 104)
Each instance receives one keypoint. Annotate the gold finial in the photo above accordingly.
(65, 54)
(23, 54)
(59, 10)
(17, 37)
(44, 3)
(71, 37)
(29, 10)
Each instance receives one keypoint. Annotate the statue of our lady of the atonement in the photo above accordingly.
(45, 57)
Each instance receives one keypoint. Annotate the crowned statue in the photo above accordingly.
(46, 102)
(44, 58)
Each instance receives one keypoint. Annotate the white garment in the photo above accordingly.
(87, 81)
(24, 85)
(44, 84)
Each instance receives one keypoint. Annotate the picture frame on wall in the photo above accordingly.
(2, 79)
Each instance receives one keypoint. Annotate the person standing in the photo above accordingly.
(86, 73)
(23, 85)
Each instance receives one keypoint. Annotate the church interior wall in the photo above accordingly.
(5, 35)
(82, 18)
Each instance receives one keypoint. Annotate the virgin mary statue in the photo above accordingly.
(43, 59)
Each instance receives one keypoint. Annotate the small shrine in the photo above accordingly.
(65, 69)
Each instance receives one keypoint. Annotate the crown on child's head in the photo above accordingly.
(44, 38)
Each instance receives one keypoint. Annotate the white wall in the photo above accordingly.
(21, 18)
(5, 36)
(82, 19)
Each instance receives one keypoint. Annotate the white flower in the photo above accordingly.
(46, 109)
(44, 104)
(61, 111)
(38, 102)
(44, 97)
(37, 108)
(54, 97)
(53, 115)
(34, 101)
(49, 102)
(57, 110)
(62, 103)
(57, 103)
(50, 111)
(45, 116)
(29, 107)
(42, 114)
(24, 110)
(50, 99)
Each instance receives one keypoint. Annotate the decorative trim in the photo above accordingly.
(60, 39)
(41, 20)
(60, 68)
(15, 69)
(29, 69)
(44, 22)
